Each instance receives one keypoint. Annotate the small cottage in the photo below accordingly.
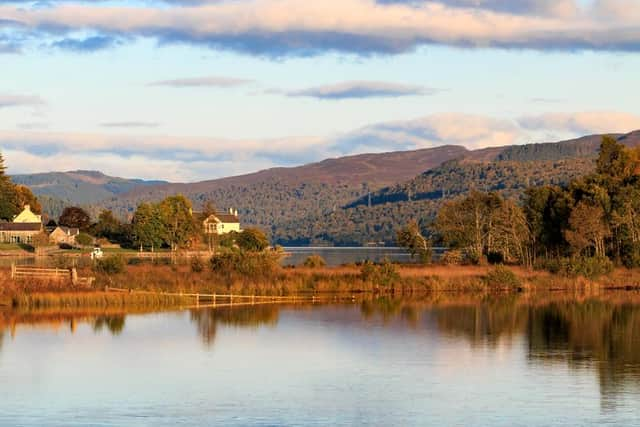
(64, 235)
(25, 225)
(222, 223)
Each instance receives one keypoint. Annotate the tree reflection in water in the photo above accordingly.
(598, 333)
(207, 320)
(115, 324)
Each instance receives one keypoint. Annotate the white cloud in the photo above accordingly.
(15, 100)
(202, 82)
(189, 159)
(295, 27)
(361, 89)
(583, 122)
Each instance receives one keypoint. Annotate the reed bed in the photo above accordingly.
(400, 281)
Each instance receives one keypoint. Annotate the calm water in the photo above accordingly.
(339, 256)
(458, 362)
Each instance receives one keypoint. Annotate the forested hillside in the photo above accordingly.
(345, 201)
(361, 199)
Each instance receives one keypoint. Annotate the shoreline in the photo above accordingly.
(150, 285)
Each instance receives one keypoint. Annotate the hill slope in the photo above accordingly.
(79, 187)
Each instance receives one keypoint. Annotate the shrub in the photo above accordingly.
(314, 261)
(502, 277)
(253, 240)
(592, 267)
(134, 261)
(589, 267)
(384, 274)
(250, 264)
(113, 264)
(197, 265)
(84, 239)
(453, 257)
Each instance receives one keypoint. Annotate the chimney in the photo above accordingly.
(235, 212)
(231, 211)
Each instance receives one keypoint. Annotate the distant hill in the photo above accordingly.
(79, 187)
(347, 200)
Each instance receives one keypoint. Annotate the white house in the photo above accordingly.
(222, 223)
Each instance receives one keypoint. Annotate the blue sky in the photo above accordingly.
(191, 90)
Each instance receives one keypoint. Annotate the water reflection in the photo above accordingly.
(600, 334)
(207, 320)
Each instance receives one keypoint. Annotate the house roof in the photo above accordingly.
(68, 231)
(225, 218)
(20, 226)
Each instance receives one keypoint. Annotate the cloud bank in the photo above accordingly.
(279, 28)
(191, 159)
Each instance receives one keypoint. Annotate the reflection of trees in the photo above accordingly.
(485, 322)
(207, 320)
(115, 324)
(601, 334)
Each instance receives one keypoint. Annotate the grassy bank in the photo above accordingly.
(376, 280)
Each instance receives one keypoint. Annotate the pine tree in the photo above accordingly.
(7, 194)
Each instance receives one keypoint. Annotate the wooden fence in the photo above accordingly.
(26, 272)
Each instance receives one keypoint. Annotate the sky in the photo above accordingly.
(188, 90)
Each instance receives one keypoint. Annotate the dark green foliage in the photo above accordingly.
(113, 264)
(83, 239)
(197, 265)
(253, 240)
(384, 274)
(589, 267)
(314, 261)
(109, 227)
(502, 277)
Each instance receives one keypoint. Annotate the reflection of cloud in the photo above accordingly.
(192, 158)
(361, 89)
(294, 27)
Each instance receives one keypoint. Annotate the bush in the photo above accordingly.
(83, 239)
(502, 277)
(452, 257)
(252, 240)
(197, 265)
(249, 264)
(314, 261)
(384, 274)
(589, 267)
(113, 264)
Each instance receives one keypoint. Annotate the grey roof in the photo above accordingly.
(20, 226)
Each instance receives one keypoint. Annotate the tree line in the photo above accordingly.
(593, 220)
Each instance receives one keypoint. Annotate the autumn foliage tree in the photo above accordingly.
(75, 217)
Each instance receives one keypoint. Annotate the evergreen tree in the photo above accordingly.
(7, 194)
